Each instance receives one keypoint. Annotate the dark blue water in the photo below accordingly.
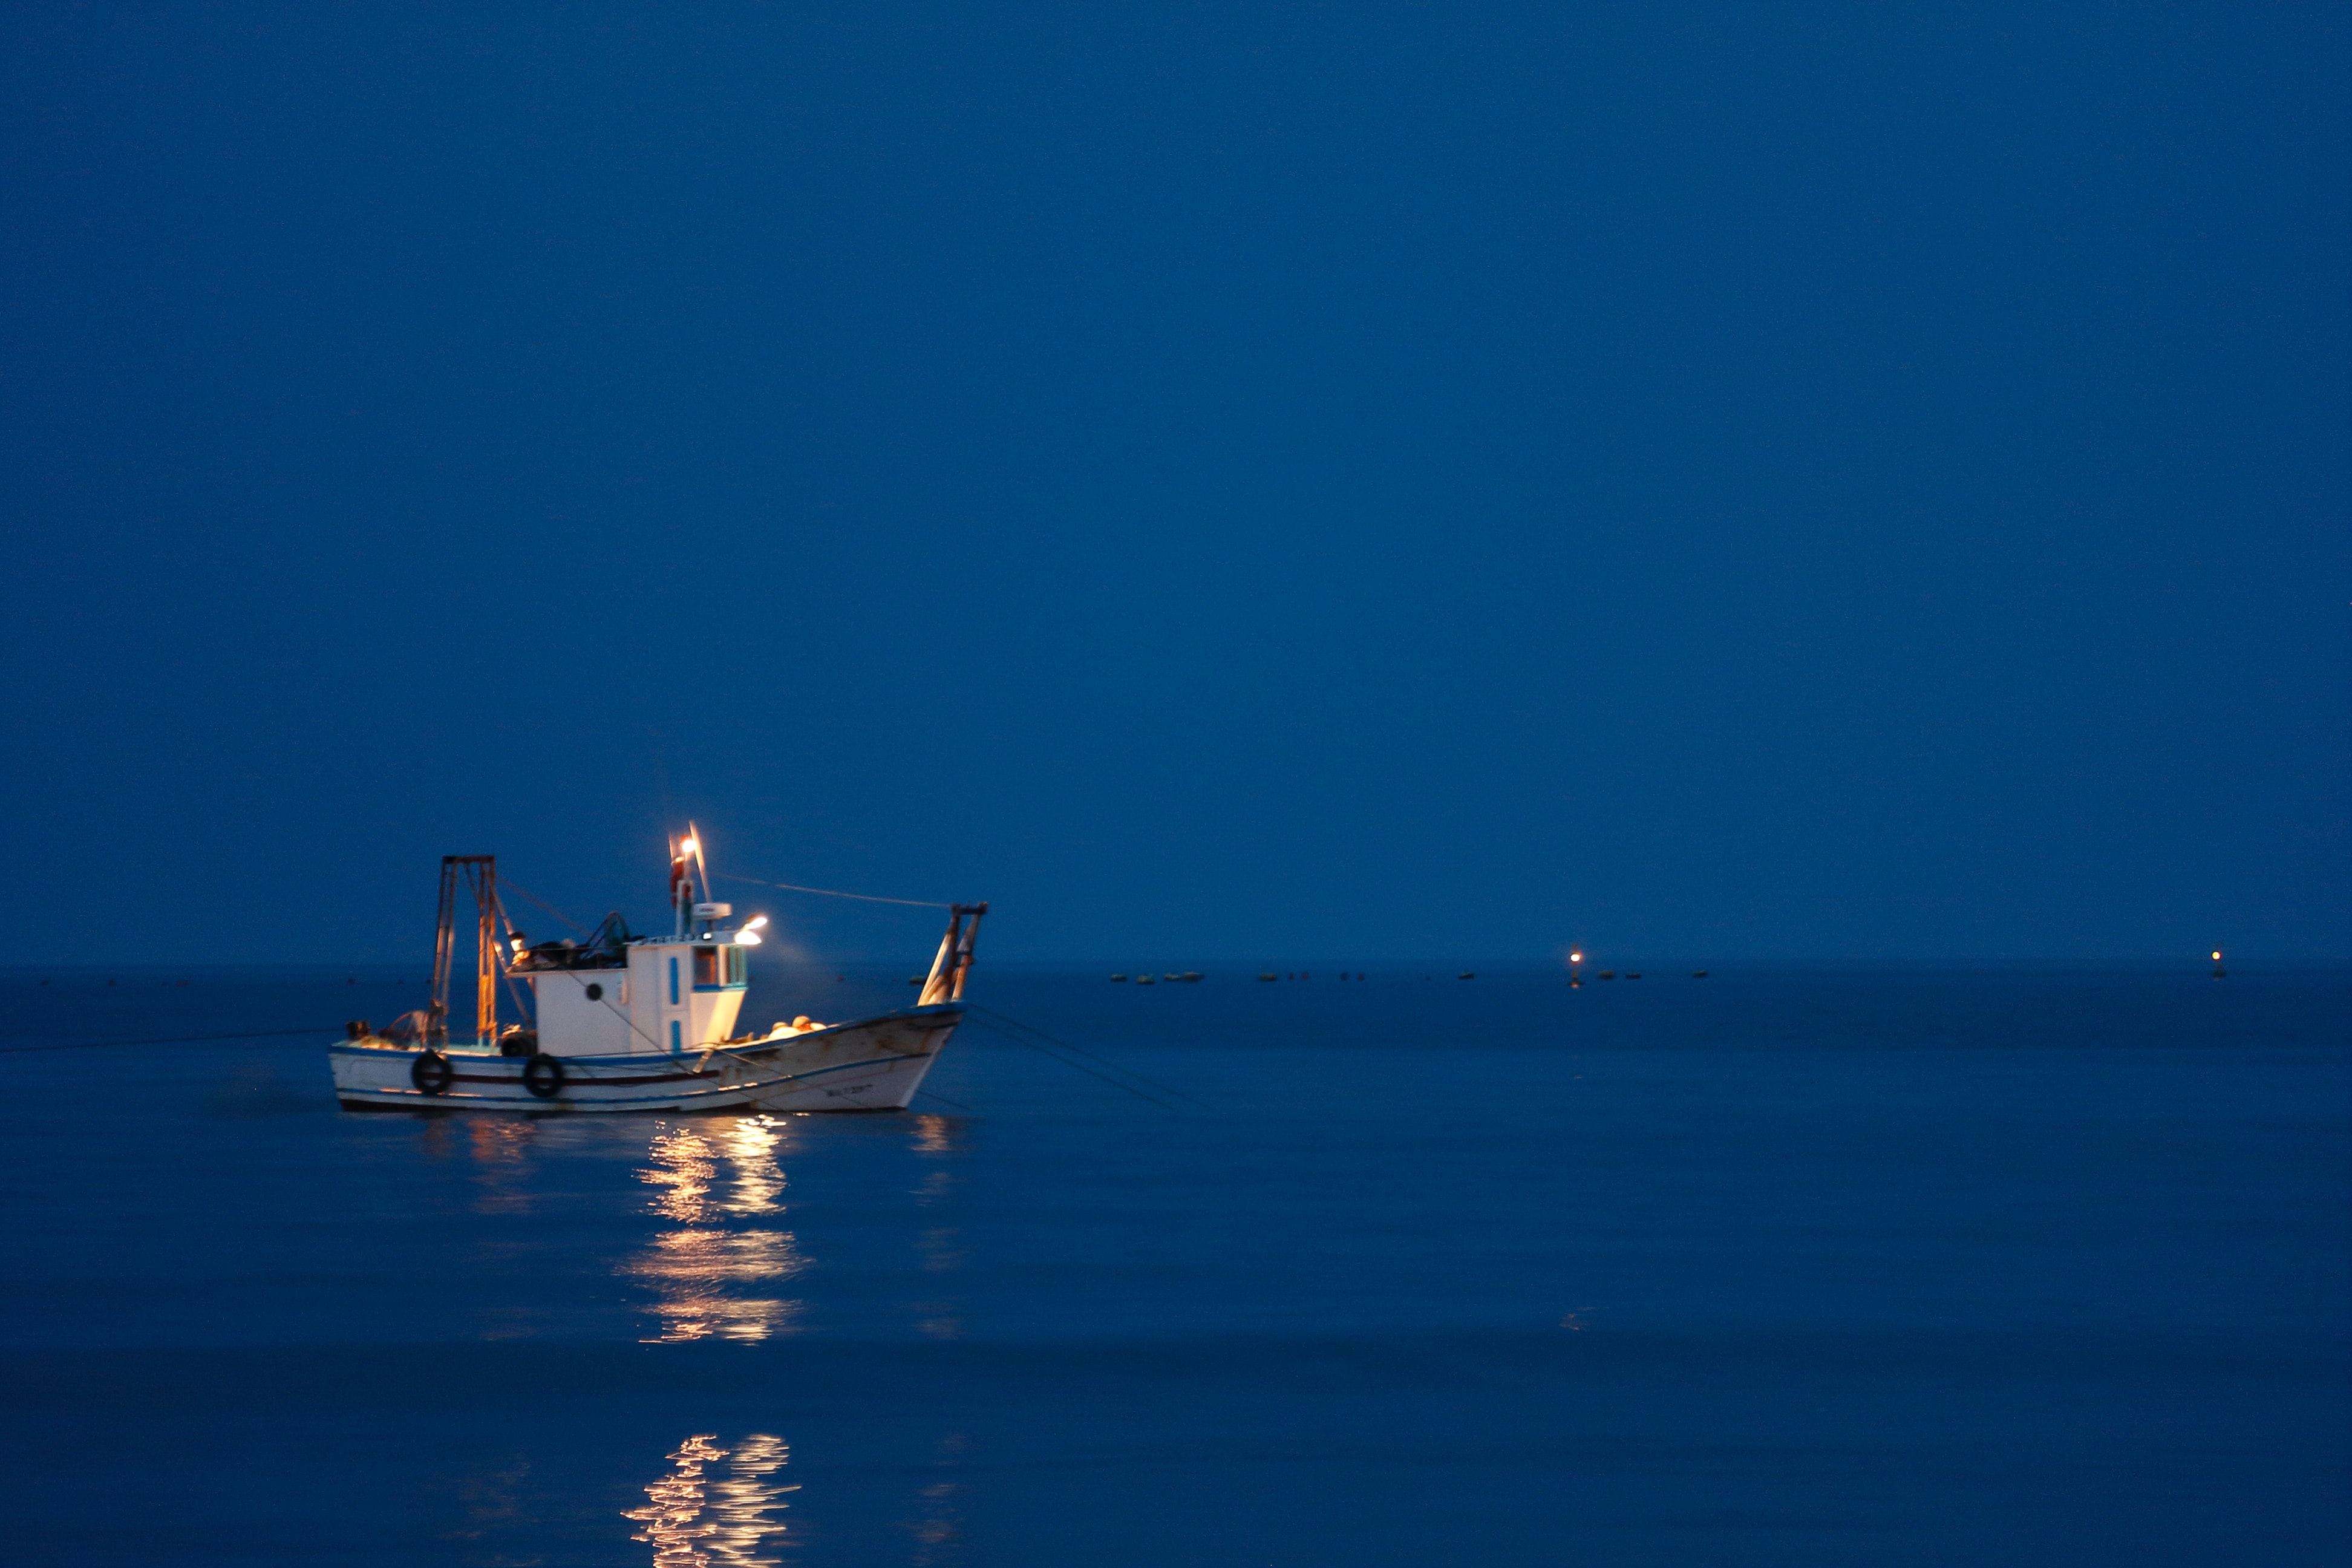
(1808, 1269)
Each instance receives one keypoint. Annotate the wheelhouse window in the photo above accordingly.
(705, 966)
(737, 968)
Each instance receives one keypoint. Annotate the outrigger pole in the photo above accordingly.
(481, 876)
(955, 961)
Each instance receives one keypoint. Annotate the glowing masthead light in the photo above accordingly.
(691, 847)
(2217, 955)
(1576, 958)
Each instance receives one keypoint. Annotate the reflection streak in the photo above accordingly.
(695, 1519)
(692, 1268)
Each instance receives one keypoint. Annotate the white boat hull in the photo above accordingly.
(871, 1064)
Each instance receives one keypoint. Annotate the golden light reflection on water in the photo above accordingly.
(938, 1522)
(500, 1151)
(697, 1515)
(712, 1271)
(694, 1188)
(940, 1247)
(753, 1146)
(705, 1177)
(934, 1135)
(942, 1324)
(492, 1500)
(941, 1252)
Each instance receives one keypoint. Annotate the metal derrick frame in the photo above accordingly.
(480, 874)
(954, 965)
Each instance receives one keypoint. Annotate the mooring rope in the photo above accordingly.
(1043, 1051)
(1005, 1026)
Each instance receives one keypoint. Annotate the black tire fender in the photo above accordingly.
(544, 1076)
(431, 1073)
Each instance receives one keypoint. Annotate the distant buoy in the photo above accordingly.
(1119, 977)
(1466, 974)
(1261, 977)
(1698, 975)
(1608, 974)
(1633, 975)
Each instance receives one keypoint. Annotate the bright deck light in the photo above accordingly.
(755, 923)
(747, 939)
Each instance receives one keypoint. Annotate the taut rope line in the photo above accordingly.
(830, 892)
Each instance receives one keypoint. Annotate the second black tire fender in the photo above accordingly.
(544, 1076)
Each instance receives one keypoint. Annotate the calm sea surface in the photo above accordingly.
(1771, 1268)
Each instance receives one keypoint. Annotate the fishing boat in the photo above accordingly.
(621, 1022)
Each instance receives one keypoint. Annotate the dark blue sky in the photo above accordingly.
(1806, 482)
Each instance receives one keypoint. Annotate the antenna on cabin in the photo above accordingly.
(705, 910)
(694, 848)
(682, 883)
